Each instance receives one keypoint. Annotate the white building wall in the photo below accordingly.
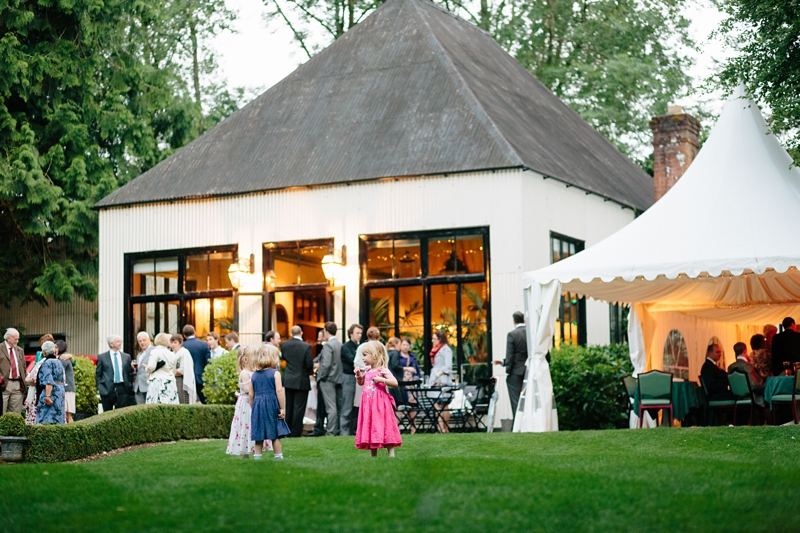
(75, 320)
(554, 206)
(520, 208)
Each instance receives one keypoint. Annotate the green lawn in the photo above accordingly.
(701, 479)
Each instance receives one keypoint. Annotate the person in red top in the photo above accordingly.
(12, 372)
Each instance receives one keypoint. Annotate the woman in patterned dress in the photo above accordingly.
(160, 366)
(50, 407)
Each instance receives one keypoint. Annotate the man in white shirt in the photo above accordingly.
(114, 375)
(214, 349)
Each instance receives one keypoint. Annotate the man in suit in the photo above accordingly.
(319, 425)
(715, 378)
(785, 346)
(329, 376)
(346, 422)
(232, 341)
(114, 376)
(743, 364)
(516, 356)
(145, 347)
(296, 382)
(200, 356)
(12, 372)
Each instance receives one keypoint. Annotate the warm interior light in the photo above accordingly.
(239, 270)
(329, 266)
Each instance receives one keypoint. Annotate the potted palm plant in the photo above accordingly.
(12, 437)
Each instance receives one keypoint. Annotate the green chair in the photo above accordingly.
(655, 392)
(742, 393)
(716, 405)
(786, 398)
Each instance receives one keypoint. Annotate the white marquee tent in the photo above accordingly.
(716, 256)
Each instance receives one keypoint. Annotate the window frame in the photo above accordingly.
(579, 247)
(128, 335)
(426, 281)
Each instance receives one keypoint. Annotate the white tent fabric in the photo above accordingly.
(718, 247)
(536, 412)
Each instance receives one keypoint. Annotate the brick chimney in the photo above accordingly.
(675, 145)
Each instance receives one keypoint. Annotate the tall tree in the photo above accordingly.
(616, 62)
(766, 36)
(91, 94)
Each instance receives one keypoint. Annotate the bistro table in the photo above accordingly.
(777, 385)
(684, 398)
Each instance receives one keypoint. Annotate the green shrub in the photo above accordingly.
(587, 384)
(85, 386)
(12, 425)
(220, 380)
(138, 424)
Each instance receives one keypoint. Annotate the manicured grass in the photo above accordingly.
(698, 479)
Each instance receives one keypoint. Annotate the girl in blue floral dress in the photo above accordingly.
(50, 406)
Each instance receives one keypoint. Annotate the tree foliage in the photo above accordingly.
(617, 63)
(91, 95)
(587, 386)
(766, 35)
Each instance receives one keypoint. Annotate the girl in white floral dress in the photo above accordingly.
(239, 442)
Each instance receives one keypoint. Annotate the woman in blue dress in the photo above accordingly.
(50, 406)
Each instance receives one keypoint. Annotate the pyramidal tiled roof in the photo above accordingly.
(412, 90)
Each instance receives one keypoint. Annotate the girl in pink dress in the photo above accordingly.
(377, 424)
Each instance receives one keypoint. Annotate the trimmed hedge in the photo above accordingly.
(220, 379)
(138, 424)
(12, 425)
(85, 386)
(587, 385)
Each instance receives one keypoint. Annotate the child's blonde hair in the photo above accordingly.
(376, 348)
(241, 358)
(266, 356)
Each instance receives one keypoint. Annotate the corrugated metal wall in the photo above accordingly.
(76, 320)
(521, 208)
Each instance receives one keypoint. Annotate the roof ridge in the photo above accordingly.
(453, 71)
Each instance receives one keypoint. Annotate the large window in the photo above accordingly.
(618, 322)
(166, 290)
(296, 291)
(571, 323)
(415, 283)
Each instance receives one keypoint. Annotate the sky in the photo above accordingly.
(259, 55)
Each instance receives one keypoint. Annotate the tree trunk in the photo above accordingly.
(196, 73)
(484, 16)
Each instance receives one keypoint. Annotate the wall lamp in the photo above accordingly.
(239, 271)
(332, 262)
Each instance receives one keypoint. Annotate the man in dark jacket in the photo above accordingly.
(516, 356)
(714, 377)
(785, 346)
(346, 419)
(299, 367)
(200, 356)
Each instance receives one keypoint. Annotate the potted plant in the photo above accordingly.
(12, 436)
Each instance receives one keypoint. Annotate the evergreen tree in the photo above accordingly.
(91, 95)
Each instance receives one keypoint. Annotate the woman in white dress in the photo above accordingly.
(161, 386)
(184, 371)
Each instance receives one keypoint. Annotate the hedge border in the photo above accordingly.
(140, 424)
